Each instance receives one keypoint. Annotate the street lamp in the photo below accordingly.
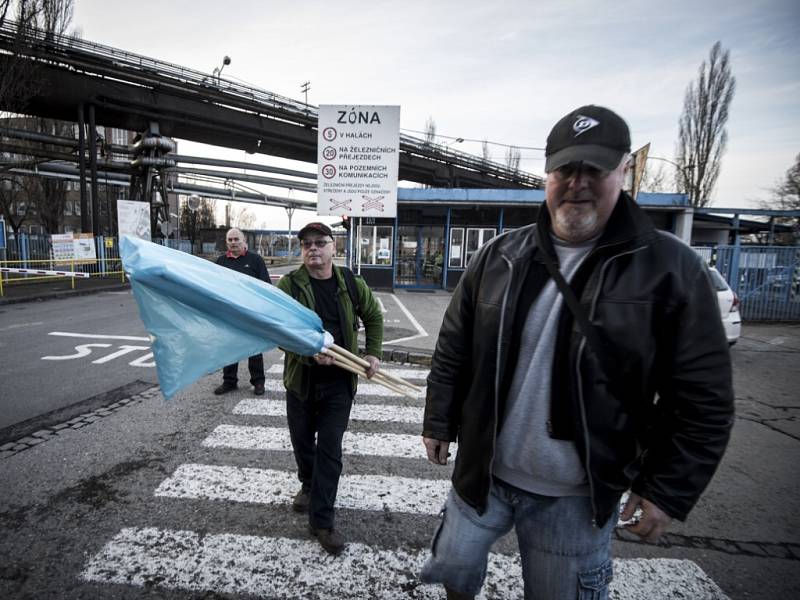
(218, 70)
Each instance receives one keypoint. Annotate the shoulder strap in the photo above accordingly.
(589, 331)
(352, 288)
(352, 291)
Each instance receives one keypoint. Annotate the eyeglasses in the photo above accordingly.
(574, 169)
(317, 243)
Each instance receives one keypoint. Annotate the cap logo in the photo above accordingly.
(583, 124)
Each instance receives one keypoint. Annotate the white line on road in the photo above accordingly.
(93, 336)
(420, 331)
(19, 325)
(241, 437)
(420, 374)
(369, 389)
(293, 568)
(267, 486)
(360, 412)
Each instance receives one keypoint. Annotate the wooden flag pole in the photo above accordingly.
(360, 361)
(351, 366)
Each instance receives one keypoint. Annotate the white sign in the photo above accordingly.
(84, 247)
(63, 246)
(358, 160)
(69, 247)
(134, 219)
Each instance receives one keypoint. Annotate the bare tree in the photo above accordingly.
(655, 179)
(14, 204)
(241, 217)
(786, 196)
(18, 80)
(513, 157)
(702, 136)
(430, 131)
(193, 221)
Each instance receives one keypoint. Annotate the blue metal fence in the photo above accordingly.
(766, 279)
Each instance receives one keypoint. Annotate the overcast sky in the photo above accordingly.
(503, 71)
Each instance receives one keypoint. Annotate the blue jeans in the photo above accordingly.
(563, 555)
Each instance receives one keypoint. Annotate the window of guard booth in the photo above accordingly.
(375, 245)
(456, 260)
(477, 237)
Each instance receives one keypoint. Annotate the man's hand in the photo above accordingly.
(437, 450)
(374, 363)
(324, 359)
(651, 524)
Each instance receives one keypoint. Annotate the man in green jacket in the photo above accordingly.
(319, 395)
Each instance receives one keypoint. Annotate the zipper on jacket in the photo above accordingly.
(498, 362)
(581, 347)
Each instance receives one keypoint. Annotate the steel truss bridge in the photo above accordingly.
(114, 88)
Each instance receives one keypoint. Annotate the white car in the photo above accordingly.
(728, 306)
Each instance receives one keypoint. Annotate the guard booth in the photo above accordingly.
(437, 232)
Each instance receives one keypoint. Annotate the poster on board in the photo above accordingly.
(134, 219)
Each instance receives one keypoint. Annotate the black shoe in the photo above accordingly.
(451, 595)
(225, 388)
(301, 500)
(258, 389)
(330, 539)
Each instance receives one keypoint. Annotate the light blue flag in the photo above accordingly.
(202, 316)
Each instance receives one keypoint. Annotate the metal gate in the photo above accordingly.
(766, 279)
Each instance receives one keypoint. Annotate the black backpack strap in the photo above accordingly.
(352, 291)
(589, 331)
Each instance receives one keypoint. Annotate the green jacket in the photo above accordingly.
(296, 370)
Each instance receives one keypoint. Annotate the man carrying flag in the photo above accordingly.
(319, 395)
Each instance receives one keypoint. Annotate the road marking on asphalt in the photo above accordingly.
(366, 389)
(242, 437)
(360, 412)
(420, 331)
(295, 568)
(420, 374)
(94, 336)
(267, 486)
(20, 325)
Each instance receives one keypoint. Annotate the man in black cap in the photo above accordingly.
(239, 259)
(319, 395)
(581, 357)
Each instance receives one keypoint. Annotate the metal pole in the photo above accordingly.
(93, 164)
(82, 167)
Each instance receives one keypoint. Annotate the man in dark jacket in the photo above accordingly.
(557, 415)
(319, 395)
(239, 259)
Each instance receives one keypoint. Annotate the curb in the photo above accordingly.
(63, 294)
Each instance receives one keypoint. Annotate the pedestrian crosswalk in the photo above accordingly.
(296, 566)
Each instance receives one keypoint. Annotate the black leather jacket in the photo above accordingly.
(658, 424)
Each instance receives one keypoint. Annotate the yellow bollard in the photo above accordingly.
(72, 283)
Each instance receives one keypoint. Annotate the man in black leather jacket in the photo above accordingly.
(555, 423)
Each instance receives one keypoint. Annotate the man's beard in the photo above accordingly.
(576, 223)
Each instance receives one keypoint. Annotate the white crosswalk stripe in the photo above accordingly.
(410, 374)
(281, 567)
(360, 412)
(364, 389)
(266, 486)
(290, 568)
(245, 437)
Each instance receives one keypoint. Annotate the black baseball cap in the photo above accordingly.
(591, 134)
(314, 228)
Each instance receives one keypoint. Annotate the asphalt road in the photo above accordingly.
(117, 494)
